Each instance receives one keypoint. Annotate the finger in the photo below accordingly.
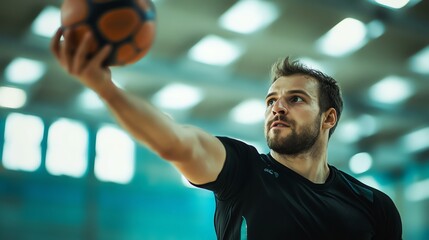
(55, 43)
(101, 55)
(66, 51)
(80, 57)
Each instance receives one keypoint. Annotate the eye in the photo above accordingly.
(296, 99)
(271, 101)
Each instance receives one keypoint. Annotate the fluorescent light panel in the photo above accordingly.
(24, 71)
(370, 181)
(417, 141)
(89, 100)
(420, 61)
(214, 50)
(360, 162)
(178, 96)
(344, 38)
(348, 132)
(418, 191)
(249, 16)
(375, 29)
(48, 21)
(396, 4)
(249, 112)
(391, 90)
(353, 130)
(311, 63)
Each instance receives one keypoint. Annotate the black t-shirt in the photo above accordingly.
(258, 198)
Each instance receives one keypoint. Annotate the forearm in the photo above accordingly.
(146, 124)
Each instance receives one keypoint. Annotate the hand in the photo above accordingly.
(74, 59)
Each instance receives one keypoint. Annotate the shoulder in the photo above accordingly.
(382, 205)
(369, 193)
(379, 200)
(236, 145)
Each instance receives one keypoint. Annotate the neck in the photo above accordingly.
(312, 165)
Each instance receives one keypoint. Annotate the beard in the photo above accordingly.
(295, 143)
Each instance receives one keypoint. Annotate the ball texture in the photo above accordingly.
(127, 25)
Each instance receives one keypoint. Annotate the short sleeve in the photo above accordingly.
(235, 169)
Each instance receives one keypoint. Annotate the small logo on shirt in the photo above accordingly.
(272, 172)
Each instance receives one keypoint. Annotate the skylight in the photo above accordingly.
(249, 16)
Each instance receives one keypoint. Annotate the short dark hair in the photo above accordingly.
(329, 91)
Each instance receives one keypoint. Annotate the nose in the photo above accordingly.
(279, 107)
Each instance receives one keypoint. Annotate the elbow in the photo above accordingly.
(167, 153)
(174, 151)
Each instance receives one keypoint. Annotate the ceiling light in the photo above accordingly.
(249, 112)
(47, 23)
(375, 29)
(214, 50)
(391, 90)
(34, 70)
(88, 99)
(370, 181)
(344, 38)
(418, 191)
(313, 64)
(348, 132)
(420, 61)
(353, 131)
(177, 96)
(417, 141)
(360, 163)
(396, 4)
(249, 16)
(12, 97)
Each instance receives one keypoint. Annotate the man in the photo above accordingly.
(290, 193)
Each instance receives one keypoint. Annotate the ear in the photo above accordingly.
(329, 118)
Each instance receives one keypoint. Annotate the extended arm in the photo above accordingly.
(197, 154)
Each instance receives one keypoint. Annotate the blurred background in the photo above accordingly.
(68, 171)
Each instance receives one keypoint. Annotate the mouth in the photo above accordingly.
(279, 124)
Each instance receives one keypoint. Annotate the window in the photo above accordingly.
(67, 152)
(114, 155)
(23, 136)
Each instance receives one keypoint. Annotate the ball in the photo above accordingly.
(127, 25)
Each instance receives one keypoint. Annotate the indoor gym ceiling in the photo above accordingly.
(379, 129)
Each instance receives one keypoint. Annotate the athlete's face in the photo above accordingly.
(292, 117)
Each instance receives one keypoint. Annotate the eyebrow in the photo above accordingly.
(290, 92)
